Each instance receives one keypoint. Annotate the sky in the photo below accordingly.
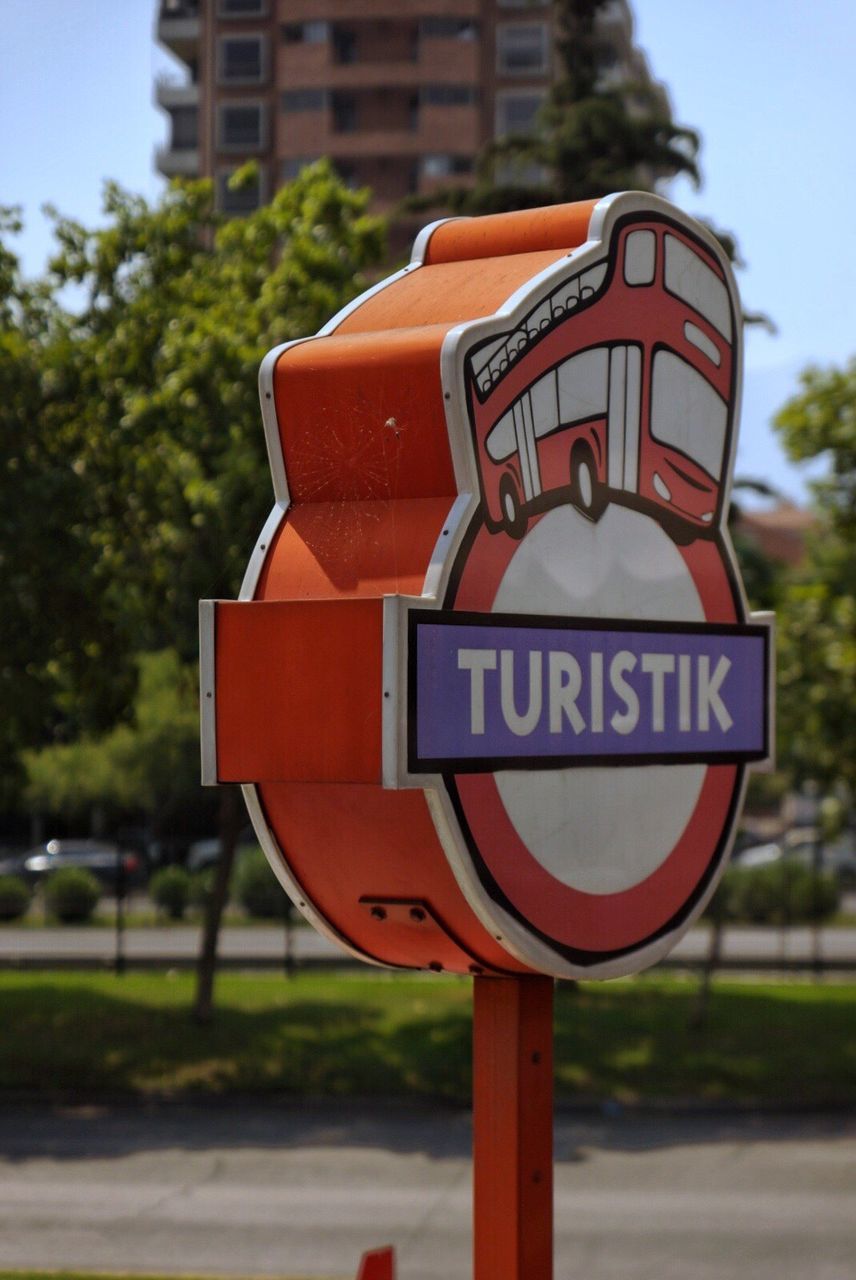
(769, 85)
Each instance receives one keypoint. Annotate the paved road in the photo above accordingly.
(303, 1191)
(266, 945)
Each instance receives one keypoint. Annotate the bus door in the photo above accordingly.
(623, 417)
(524, 433)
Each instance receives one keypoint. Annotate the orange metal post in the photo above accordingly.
(377, 1264)
(513, 1128)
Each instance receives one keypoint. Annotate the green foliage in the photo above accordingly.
(53, 640)
(14, 897)
(150, 763)
(782, 893)
(817, 613)
(201, 885)
(165, 422)
(72, 894)
(257, 888)
(169, 889)
(133, 476)
(821, 422)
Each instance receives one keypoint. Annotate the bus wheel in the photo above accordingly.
(513, 515)
(680, 531)
(587, 493)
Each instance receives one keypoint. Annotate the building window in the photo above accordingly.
(448, 95)
(344, 113)
(304, 100)
(449, 29)
(242, 60)
(305, 32)
(242, 127)
(344, 45)
(517, 112)
(293, 166)
(522, 49)
(244, 199)
(185, 131)
(348, 174)
(446, 166)
(242, 8)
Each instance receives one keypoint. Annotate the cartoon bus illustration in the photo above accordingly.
(569, 407)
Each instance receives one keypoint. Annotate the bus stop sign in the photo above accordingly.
(492, 686)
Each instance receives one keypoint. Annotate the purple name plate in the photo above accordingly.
(494, 691)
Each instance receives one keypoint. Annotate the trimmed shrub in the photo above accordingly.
(71, 894)
(257, 888)
(14, 897)
(169, 889)
(781, 893)
(200, 888)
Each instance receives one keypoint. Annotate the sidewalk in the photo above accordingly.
(302, 1191)
(264, 946)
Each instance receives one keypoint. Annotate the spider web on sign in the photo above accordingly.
(350, 460)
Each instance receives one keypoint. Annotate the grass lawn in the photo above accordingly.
(335, 1035)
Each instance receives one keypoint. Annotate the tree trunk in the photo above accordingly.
(206, 965)
(709, 967)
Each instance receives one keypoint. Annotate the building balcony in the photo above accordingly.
(174, 91)
(179, 27)
(374, 143)
(177, 162)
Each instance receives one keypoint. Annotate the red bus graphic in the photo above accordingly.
(618, 385)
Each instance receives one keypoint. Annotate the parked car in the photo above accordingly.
(203, 854)
(107, 862)
(759, 855)
(836, 856)
(12, 864)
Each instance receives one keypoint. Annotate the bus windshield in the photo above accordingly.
(686, 413)
(689, 278)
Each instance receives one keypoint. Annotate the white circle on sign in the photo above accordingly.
(600, 830)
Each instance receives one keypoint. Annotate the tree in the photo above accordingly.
(163, 413)
(53, 642)
(593, 135)
(817, 622)
(150, 406)
(147, 764)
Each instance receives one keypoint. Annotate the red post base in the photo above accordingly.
(377, 1264)
(513, 1128)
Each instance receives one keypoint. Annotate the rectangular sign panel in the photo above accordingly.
(492, 691)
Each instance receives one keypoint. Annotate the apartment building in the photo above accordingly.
(400, 94)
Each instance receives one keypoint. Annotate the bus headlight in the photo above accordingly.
(707, 517)
(661, 488)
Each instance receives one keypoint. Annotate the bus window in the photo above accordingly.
(538, 319)
(501, 441)
(545, 405)
(591, 280)
(640, 256)
(583, 382)
(686, 413)
(692, 280)
(693, 334)
(483, 360)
